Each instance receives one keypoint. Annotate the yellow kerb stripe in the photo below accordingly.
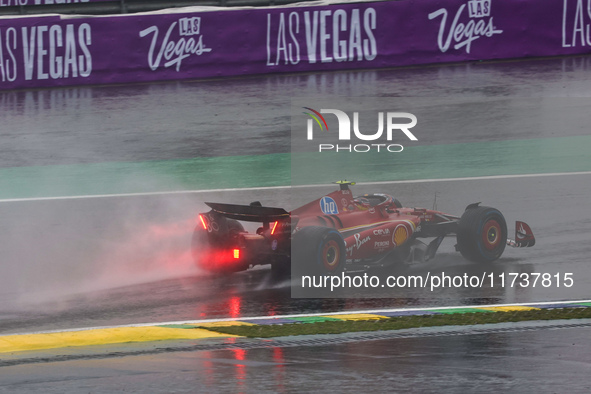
(357, 316)
(225, 324)
(509, 308)
(17, 343)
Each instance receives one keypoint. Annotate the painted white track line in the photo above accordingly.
(491, 177)
(372, 311)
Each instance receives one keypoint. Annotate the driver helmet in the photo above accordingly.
(361, 203)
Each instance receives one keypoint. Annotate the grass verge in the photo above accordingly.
(401, 322)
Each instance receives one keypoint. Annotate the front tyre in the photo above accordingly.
(482, 234)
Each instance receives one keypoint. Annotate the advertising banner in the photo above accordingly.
(53, 51)
(16, 3)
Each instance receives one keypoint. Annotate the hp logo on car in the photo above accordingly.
(328, 206)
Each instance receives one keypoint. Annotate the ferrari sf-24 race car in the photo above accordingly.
(339, 231)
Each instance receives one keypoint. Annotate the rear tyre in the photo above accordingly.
(318, 250)
(211, 251)
(482, 234)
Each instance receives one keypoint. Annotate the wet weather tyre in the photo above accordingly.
(482, 234)
(318, 251)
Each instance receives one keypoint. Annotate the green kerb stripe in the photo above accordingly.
(312, 319)
(461, 310)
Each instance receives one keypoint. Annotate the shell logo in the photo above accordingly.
(400, 235)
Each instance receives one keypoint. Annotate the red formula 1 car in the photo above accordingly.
(339, 231)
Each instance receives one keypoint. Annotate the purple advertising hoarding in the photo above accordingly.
(54, 51)
(16, 3)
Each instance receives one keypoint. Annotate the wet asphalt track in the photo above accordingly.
(81, 263)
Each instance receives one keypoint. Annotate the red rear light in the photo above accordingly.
(203, 222)
(274, 227)
(236, 253)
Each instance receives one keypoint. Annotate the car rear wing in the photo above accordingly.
(524, 237)
(249, 213)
